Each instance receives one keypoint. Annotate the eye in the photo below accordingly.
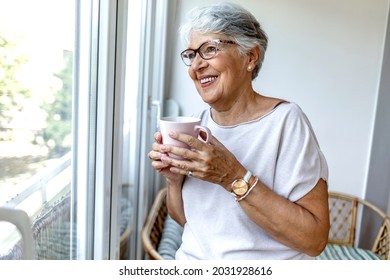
(209, 49)
(189, 54)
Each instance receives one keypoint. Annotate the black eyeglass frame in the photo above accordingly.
(217, 41)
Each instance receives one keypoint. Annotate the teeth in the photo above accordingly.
(207, 80)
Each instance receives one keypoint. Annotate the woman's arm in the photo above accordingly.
(302, 225)
(175, 203)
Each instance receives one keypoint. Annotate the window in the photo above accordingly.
(58, 104)
(36, 81)
(75, 127)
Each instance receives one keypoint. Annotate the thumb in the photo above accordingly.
(214, 141)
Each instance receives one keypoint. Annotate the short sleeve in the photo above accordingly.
(301, 162)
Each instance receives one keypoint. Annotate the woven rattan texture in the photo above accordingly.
(342, 220)
(154, 225)
(157, 229)
(344, 211)
(382, 246)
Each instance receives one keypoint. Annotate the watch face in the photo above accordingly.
(240, 187)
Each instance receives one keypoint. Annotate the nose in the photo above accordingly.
(198, 62)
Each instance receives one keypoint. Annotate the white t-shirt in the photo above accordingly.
(282, 150)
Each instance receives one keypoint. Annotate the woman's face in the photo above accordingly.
(221, 79)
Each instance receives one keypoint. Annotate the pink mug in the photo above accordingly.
(186, 125)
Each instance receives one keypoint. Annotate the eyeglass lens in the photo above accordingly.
(206, 51)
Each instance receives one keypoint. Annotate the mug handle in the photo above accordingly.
(206, 130)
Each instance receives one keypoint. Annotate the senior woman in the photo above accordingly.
(258, 189)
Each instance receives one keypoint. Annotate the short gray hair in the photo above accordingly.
(231, 20)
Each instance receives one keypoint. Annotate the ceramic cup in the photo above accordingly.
(186, 125)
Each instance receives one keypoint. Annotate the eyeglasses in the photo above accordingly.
(206, 51)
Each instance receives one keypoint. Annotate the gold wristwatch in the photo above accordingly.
(241, 186)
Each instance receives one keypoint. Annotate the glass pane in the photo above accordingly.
(129, 192)
(36, 81)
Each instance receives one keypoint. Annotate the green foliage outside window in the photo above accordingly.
(12, 93)
(15, 99)
(57, 134)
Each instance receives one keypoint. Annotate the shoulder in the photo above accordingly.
(292, 119)
(289, 109)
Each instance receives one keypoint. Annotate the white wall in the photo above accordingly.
(327, 57)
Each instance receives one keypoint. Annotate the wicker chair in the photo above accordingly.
(154, 225)
(123, 243)
(21, 220)
(345, 211)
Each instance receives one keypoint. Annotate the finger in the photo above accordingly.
(157, 147)
(159, 165)
(154, 155)
(182, 172)
(214, 141)
(187, 139)
(177, 166)
(181, 152)
(158, 137)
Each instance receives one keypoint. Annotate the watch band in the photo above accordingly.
(247, 176)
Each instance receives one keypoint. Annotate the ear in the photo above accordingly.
(253, 57)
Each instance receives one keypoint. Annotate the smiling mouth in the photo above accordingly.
(208, 80)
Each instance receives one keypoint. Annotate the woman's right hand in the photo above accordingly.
(174, 181)
(163, 168)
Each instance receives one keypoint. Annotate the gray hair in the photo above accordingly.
(231, 20)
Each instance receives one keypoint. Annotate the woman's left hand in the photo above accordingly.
(211, 162)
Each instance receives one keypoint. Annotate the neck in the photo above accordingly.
(240, 110)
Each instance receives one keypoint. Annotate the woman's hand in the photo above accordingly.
(210, 162)
(163, 168)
